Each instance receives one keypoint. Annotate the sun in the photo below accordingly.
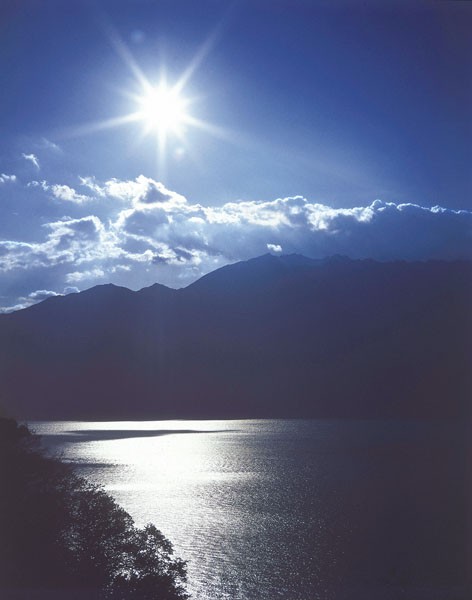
(159, 106)
(163, 109)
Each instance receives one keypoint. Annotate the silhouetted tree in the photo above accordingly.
(58, 531)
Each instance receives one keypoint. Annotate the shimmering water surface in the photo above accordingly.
(292, 510)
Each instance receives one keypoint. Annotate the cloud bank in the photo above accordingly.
(137, 232)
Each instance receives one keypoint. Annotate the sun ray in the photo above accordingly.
(89, 128)
(160, 107)
(197, 60)
(124, 53)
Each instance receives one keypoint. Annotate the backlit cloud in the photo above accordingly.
(78, 276)
(42, 294)
(61, 192)
(137, 232)
(64, 192)
(140, 191)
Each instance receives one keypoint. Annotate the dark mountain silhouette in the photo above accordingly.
(281, 336)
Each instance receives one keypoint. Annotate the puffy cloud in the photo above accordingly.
(92, 185)
(78, 276)
(14, 255)
(64, 192)
(9, 309)
(168, 230)
(160, 226)
(142, 232)
(61, 192)
(80, 241)
(69, 240)
(141, 191)
(4, 178)
(32, 158)
(71, 289)
(29, 300)
(42, 295)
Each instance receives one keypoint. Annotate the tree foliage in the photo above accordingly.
(58, 531)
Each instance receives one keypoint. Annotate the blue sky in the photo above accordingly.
(330, 127)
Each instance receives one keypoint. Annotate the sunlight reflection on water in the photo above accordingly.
(260, 509)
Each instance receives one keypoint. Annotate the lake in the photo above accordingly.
(289, 509)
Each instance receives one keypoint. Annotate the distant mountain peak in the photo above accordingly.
(156, 291)
(105, 289)
(294, 259)
(274, 336)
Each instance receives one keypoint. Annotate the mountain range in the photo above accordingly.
(275, 336)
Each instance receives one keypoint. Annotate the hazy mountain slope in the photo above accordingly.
(273, 336)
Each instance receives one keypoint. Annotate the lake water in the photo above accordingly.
(289, 509)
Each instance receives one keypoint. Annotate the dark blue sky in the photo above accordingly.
(342, 103)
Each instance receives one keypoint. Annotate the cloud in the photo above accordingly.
(76, 241)
(80, 240)
(4, 310)
(141, 232)
(78, 276)
(71, 289)
(49, 145)
(64, 192)
(154, 225)
(168, 230)
(29, 300)
(40, 295)
(140, 191)
(32, 158)
(61, 192)
(4, 178)
(93, 186)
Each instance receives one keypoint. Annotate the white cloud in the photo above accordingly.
(61, 192)
(64, 192)
(42, 294)
(162, 226)
(140, 191)
(91, 184)
(142, 232)
(118, 268)
(68, 241)
(15, 255)
(32, 158)
(71, 289)
(4, 310)
(29, 300)
(78, 276)
(4, 178)
(158, 226)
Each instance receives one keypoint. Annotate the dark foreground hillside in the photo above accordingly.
(271, 337)
(61, 537)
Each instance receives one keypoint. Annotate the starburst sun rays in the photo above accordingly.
(160, 107)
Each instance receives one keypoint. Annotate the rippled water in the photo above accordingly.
(290, 510)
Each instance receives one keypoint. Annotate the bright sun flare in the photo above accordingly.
(163, 110)
(160, 108)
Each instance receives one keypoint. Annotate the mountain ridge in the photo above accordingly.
(284, 260)
(274, 336)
